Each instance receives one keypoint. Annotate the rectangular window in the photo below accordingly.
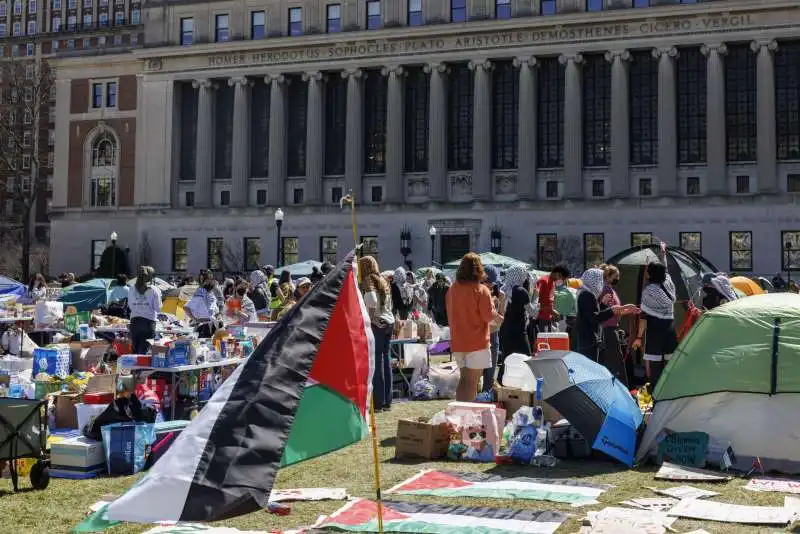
(87, 21)
(71, 4)
(741, 251)
(290, 250)
(26, 161)
(258, 22)
(119, 18)
(692, 186)
(742, 185)
(297, 195)
(333, 23)
(32, 27)
(187, 31)
(261, 197)
(548, 7)
(86, 43)
(17, 28)
(374, 14)
(189, 199)
(458, 10)
(32, 6)
(295, 21)
(641, 239)
(221, 28)
(415, 12)
(793, 183)
(225, 198)
(103, 20)
(370, 246)
(111, 94)
(117, 40)
(546, 249)
(641, 3)
(377, 193)
(72, 21)
(56, 4)
(598, 188)
(214, 253)
(29, 49)
(327, 249)
(26, 139)
(594, 249)
(336, 195)
(502, 9)
(97, 95)
(3, 9)
(692, 241)
(551, 189)
(18, 7)
(180, 254)
(136, 16)
(3, 30)
(790, 250)
(645, 187)
(252, 253)
(56, 24)
(98, 246)
(594, 5)
(70, 43)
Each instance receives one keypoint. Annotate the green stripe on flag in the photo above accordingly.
(412, 527)
(325, 422)
(502, 493)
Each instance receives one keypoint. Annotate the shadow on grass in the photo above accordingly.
(389, 442)
(8, 492)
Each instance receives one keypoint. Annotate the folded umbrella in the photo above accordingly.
(592, 400)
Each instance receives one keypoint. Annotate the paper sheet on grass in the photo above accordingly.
(780, 485)
(641, 519)
(309, 494)
(684, 492)
(793, 505)
(614, 527)
(657, 504)
(481, 485)
(731, 513)
(191, 528)
(669, 471)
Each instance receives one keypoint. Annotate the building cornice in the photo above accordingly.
(652, 27)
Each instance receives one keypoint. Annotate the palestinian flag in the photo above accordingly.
(482, 485)
(361, 515)
(304, 392)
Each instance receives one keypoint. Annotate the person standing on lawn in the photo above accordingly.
(378, 301)
(470, 310)
(546, 288)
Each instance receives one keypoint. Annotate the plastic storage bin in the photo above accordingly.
(518, 373)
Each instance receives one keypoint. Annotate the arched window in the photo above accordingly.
(103, 170)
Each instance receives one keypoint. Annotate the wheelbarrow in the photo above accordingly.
(23, 434)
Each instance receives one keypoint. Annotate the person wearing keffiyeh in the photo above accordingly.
(657, 322)
(402, 295)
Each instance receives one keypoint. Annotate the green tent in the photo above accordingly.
(87, 296)
(733, 348)
(736, 377)
(490, 258)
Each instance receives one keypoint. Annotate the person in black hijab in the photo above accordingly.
(513, 331)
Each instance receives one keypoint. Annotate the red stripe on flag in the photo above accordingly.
(364, 511)
(342, 362)
(434, 480)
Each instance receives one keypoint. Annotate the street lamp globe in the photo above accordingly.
(432, 231)
(278, 216)
(113, 236)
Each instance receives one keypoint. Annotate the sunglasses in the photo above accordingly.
(473, 435)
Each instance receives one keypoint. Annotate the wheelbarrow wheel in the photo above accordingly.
(40, 476)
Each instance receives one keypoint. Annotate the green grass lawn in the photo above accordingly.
(65, 502)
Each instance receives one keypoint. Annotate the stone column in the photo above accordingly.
(394, 135)
(482, 186)
(354, 137)
(526, 136)
(277, 139)
(315, 127)
(204, 151)
(240, 171)
(667, 122)
(620, 124)
(767, 178)
(437, 132)
(573, 126)
(716, 164)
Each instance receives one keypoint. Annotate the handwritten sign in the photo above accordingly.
(781, 485)
(684, 448)
(540, 35)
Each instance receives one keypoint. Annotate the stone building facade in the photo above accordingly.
(551, 130)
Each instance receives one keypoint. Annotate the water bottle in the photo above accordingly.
(539, 388)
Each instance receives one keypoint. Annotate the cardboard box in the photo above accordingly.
(421, 439)
(66, 414)
(87, 354)
(513, 399)
(102, 384)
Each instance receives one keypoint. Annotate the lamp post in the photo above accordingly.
(496, 241)
(405, 244)
(113, 237)
(432, 233)
(278, 248)
(788, 246)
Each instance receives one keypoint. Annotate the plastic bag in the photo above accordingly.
(127, 446)
(48, 313)
(445, 378)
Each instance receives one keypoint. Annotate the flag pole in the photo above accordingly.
(350, 199)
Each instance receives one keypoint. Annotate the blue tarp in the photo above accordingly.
(87, 296)
(297, 270)
(9, 286)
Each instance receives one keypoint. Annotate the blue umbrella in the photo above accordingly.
(598, 405)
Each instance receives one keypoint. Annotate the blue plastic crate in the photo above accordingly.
(55, 361)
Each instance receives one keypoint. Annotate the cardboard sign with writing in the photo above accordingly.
(684, 448)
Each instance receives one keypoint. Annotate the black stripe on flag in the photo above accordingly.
(408, 507)
(238, 466)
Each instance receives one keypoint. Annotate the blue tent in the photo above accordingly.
(297, 270)
(9, 286)
(87, 296)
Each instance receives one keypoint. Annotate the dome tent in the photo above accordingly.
(685, 268)
(736, 376)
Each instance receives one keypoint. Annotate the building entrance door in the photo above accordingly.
(453, 247)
